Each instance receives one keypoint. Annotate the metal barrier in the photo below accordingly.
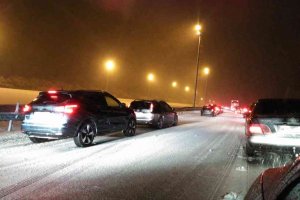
(11, 116)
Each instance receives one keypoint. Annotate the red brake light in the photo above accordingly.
(52, 92)
(259, 129)
(68, 109)
(151, 107)
(54, 97)
(26, 108)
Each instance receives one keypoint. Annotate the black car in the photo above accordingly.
(273, 125)
(155, 113)
(78, 114)
(211, 110)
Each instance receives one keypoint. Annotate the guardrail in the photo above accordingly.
(6, 114)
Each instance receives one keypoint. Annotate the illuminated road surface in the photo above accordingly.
(201, 158)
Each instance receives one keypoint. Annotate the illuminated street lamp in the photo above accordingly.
(174, 84)
(109, 67)
(206, 72)
(150, 77)
(187, 88)
(198, 29)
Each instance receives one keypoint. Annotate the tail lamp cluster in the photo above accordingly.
(259, 129)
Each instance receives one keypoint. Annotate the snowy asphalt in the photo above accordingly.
(201, 158)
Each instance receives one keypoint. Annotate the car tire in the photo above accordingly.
(38, 140)
(249, 150)
(131, 128)
(85, 135)
(160, 123)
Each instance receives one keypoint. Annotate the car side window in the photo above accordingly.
(165, 107)
(162, 107)
(291, 192)
(111, 102)
(169, 107)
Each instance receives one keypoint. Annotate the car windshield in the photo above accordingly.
(140, 105)
(46, 98)
(148, 99)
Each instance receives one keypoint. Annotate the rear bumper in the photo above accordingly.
(145, 121)
(274, 143)
(146, 118)
(48, 132)
(206, 112)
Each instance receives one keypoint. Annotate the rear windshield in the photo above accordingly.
(51, 98)
(140, 105)
(278, 107)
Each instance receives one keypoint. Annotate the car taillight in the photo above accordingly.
(26, 108)
(68, 109)
(52, 92)
(259, 129)
(151, 107)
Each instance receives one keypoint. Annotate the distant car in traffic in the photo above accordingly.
(210, 110)
(246, 111)
(78, 114)
(155, 113)
(277, 183)
(273, 125)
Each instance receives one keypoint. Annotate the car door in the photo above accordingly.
(164, 112)
(169, 113)
(99, 110)
(118, 115)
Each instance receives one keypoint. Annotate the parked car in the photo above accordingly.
(211, 110)
(277, 183)
(78, 114)
(273, 125)
(155, 113)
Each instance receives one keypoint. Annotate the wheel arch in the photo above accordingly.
(87, 119)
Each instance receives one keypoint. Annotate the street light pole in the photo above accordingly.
(206, 73)
(198, 29)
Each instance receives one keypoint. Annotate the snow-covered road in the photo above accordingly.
(201, 158)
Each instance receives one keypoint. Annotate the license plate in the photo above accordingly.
(289, 129)
(45, 117)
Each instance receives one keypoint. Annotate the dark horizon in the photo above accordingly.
(251, 47)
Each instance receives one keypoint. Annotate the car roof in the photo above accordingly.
(75, 91)
(153, 100)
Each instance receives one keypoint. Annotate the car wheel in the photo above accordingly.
(175, 121)
(249, 151)
(160, 123)
(131, 127)
(85, 135)
(38, 140)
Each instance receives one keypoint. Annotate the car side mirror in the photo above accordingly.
(122, 105)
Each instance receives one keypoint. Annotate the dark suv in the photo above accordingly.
(154, 113)
(78, 114)
(273, 125)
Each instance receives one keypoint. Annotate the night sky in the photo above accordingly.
(252, 47)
